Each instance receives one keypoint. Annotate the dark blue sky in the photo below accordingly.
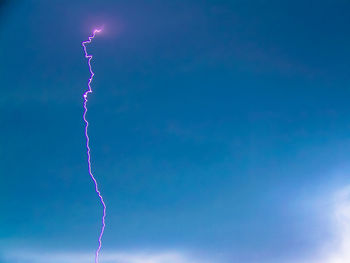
(216, 126)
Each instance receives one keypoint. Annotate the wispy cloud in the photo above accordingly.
(109, 257)
(336, 250)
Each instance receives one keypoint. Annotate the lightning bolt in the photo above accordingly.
(89, 90)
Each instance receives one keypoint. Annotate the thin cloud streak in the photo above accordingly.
(111, 257)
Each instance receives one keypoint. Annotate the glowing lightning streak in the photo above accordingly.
(89, 90)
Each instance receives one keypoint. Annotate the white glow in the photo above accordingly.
(339, 251)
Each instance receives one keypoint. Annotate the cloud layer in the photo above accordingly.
(333, 251)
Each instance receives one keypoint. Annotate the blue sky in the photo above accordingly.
(219, 131)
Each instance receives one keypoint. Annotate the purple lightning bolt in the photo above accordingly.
(89, 90)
